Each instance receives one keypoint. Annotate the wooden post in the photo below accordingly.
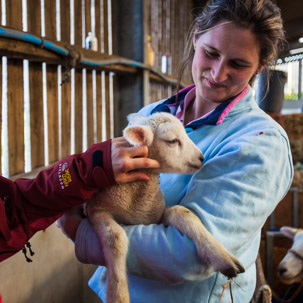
(128, 18)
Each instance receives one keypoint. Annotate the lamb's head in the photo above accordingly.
(167, 142)
(290, 269)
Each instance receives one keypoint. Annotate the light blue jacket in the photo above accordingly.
(247, 171)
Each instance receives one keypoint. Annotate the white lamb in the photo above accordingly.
(290, 269)
(142, 203)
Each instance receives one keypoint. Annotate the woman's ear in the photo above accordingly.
(260, 69)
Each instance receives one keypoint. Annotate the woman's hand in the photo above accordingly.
(126, 159)
(70, 222)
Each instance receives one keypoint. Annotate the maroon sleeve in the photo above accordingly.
(30, 205)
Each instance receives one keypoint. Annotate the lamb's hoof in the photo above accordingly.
(228, 265)
(232, 270)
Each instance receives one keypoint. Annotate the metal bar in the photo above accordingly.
(300, 81)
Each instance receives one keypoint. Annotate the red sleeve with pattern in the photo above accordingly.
(30, 205)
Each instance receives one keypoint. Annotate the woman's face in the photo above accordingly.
(226, 57)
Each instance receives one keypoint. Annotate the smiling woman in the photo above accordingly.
(222, 69)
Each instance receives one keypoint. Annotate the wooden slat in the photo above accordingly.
(163, 26)
(98, 24)
(89, 109)
(178, 33)
(105, 28)
(15, 116)
(78, 22)
(160, 33)
(34, 16)
(52, 113)
(14, 14)
(107, 105)
(87, 17)
(99, 105)
(78, 111)
(113, 106)
(65, 21)
(50, 19)
(65, 117)
(36, 114)
(107, 92)
(172, 35)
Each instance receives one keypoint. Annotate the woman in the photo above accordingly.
(247, 163)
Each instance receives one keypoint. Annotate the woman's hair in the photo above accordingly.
(262, 17)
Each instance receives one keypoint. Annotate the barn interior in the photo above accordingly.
(63, 89)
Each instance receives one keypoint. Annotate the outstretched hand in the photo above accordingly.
(127, 159)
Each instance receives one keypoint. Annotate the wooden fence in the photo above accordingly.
(168, 22)
(58, 97)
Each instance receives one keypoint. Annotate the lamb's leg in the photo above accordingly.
(115, 245)
(209, 249)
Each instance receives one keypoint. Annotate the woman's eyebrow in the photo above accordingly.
(211, 47)
(239, 60)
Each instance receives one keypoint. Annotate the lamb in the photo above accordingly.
(290, 269)
(143, 203)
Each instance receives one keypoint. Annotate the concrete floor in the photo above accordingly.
(54, 276)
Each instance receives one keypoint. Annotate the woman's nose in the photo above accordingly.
(219, 72)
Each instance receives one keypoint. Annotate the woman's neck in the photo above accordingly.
(196, 110)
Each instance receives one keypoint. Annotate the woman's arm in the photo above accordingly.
(29, 205)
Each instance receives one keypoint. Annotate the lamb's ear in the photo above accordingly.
(136, 118)
(288, 231)
(138, 135)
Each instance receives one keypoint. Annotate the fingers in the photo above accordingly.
(127, 159)
(140, 163)
(138, 151)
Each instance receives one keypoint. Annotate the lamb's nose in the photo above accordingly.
(282, 271)
(201, 159)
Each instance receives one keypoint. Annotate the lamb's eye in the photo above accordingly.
(174, 141)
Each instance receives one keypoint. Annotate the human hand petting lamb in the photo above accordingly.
(125, 160)
(290, 269)
(142, 202)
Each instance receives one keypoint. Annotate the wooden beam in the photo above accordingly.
(23, 50)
